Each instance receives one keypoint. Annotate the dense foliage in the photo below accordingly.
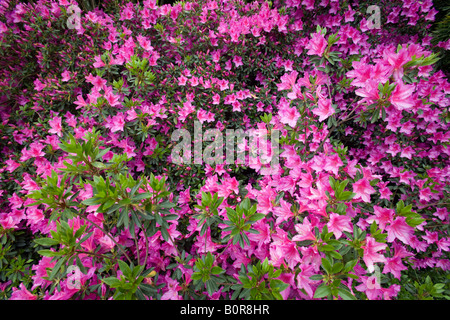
(93, 205)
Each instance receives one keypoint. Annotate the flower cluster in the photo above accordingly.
(92, 205)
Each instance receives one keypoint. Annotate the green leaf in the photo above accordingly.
(316, 277)
(209, 260)
(124, 268)
(196, 276)
(217, 270)
(257, 216)
(46, 242)
(350, 265)
(334, 254)
(49, 253)
(112, 282)
(322, 291)
(167, 205)
(326, 265)
(56, 268)
(92, 201)
(142, 196)
(337, 267)
(345, 294)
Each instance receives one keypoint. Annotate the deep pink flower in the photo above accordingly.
(283, 212)
(289, 115)
(324, 109)
(383, 216)
(55, 125)
(317, 44)
(363, 189)
(22, 293)
(371, 287)
(371, 254)
(304, 281)
(399, 229)
(339, 223)
(401, 96)
(305, 231)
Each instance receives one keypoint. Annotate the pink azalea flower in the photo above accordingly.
(263, 237)
(112, 99)
(394, 264)
(22, 294)
(383, 216)
(116, 123)
(16, 201)
(305, 231)
(65, 76)
(401, 96)
(8, 223)
(333, 163)
(202, 115)
(317, 44)
(390, 292)
(287, 81)
(304, 281)
(55, 125)
(371, 254)
(399, 229)
(98, 63)
(324, 109)
(363, 189)
(289, 116)
(283, 213)
(397, 60)
(237, 60)
(11, 165)
(339, 223)
(371, 287)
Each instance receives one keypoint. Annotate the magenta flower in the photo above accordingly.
(305, 231)
(400, 230)
(324, 109)
(363, 189)
(371, 287)
(304, 281)
(371, 254)
(289, 115)
(55, 125)
(339, 223)
(317, 45)
(401, 96)
(22, 294)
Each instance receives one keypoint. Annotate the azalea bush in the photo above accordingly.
(95, 204)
